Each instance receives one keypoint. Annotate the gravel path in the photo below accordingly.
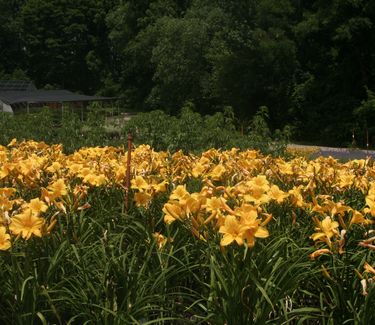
(337, 153)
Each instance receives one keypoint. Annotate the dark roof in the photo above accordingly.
(46, 96)
(16, 85)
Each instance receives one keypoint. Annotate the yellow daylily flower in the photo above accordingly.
(95, 180)
(160, 187)
(345, 180)
(370, 202)
(6, 204)
(192, 204)
(160, 239)
(139, 184)
(368, 268)
(55, 167)
(12, 143)
(26, 224)
(232, 231)
(326, 229)
(180, 193)
(58, 188)
(7, 191)
(215, 203)
(172, 212)
(37, 206)
(198, 170)
(319, 252)
(74, 169)
(276, 194)
(4, 239)
(297, 197)
(251, 228)
(217, 172)
(259, 181)
(359, 218)
(142, 199)
(257, 195)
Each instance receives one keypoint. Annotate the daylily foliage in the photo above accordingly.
(233, 201)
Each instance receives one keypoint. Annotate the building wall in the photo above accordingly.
(5, 107)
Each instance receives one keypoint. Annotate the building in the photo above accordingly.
(22, 95)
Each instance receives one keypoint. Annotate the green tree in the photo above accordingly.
(11, 53)
(258, 61)
(131, 52)
(365, 117)
(66, 42)
(134, 33)
(211, 53)
(181, 68)
(336, 46)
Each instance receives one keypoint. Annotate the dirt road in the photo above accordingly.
(338, 153)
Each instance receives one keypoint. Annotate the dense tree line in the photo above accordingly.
(312, 63)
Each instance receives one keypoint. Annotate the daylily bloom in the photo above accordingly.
(58, 188)
(4, 239)
(172, 212)
(248, 228)
(37, 206)
(95, 180)
(296, 196)
(326, 229)
(160, 187)
(55, 167)
(26, 224)
(139, 184)
(259, 181)
(232, 231)
(192, 204)
(346, 180)
(319, 252)
(368, 268)
(142, 199)
(217, 172)
(160, 239)
(215, 203)
(251, 228)
(180, 193)
(359, 218)
(198, 170)
(276, 194)
(370, 202)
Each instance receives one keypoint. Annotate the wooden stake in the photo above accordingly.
(128, 172)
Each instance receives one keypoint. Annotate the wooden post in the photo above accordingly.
(128, 172)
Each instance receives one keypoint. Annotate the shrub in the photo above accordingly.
(192, 132)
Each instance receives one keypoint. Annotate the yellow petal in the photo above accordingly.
(168, 219)
(226, 240)
(261, 233)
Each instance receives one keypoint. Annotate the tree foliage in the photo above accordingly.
(309, 62)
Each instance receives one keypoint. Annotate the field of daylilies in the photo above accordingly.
(224, 237)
